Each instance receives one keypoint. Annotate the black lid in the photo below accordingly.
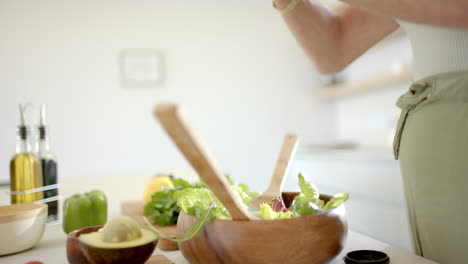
(42, 132)
(42, 124)
(23, 132)
(366, 257)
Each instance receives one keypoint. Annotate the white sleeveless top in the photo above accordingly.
(436, 49)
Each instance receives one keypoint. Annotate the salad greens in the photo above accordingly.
(194, 201)
(268, 213)
(163, 209)
(306, 203)
(336, 201)
(203, 204)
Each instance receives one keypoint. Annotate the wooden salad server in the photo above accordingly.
(287, 152)
(190, 145)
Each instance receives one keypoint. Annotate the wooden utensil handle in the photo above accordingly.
(287, 152)
(191, 147)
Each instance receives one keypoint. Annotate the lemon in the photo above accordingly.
(156, 185)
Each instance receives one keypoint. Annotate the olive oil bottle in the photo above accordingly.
(49, 167)
(25, 168)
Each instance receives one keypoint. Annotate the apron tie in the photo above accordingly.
(418, 92)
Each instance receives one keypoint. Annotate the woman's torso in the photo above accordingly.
(436, 49)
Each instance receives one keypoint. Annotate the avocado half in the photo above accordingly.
(118, 242)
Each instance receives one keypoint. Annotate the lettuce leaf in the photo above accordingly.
(269, 214)
(203, 204)
(302, 206)
(308, 201)
(245, 196)
(308, 189)
(336, 201)
(229, 179)
(195, 201)
(241, 191)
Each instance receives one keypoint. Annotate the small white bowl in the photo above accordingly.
(21, 226)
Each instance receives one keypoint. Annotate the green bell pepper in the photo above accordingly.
(83, 210)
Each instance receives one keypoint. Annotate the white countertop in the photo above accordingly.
(52, 250)
(52, 247)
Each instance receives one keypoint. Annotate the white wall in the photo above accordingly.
(370, 118)
(232, 64)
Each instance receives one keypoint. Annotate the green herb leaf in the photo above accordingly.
(181, 183)
(192, 230)
(163, 209)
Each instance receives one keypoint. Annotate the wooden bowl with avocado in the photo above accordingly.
(121, 240)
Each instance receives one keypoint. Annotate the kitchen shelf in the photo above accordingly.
(346, 89)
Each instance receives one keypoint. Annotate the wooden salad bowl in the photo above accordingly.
(309, 239)
(312, 239)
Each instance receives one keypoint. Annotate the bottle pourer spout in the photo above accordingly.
(22, 129)
(21, 110)
(43, 116)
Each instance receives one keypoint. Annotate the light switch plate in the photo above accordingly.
(141, 68)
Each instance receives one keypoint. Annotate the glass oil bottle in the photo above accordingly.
(49, 168)
(25, 168)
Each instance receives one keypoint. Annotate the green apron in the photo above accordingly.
(431, 143)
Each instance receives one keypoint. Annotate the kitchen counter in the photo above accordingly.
(51, 249)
